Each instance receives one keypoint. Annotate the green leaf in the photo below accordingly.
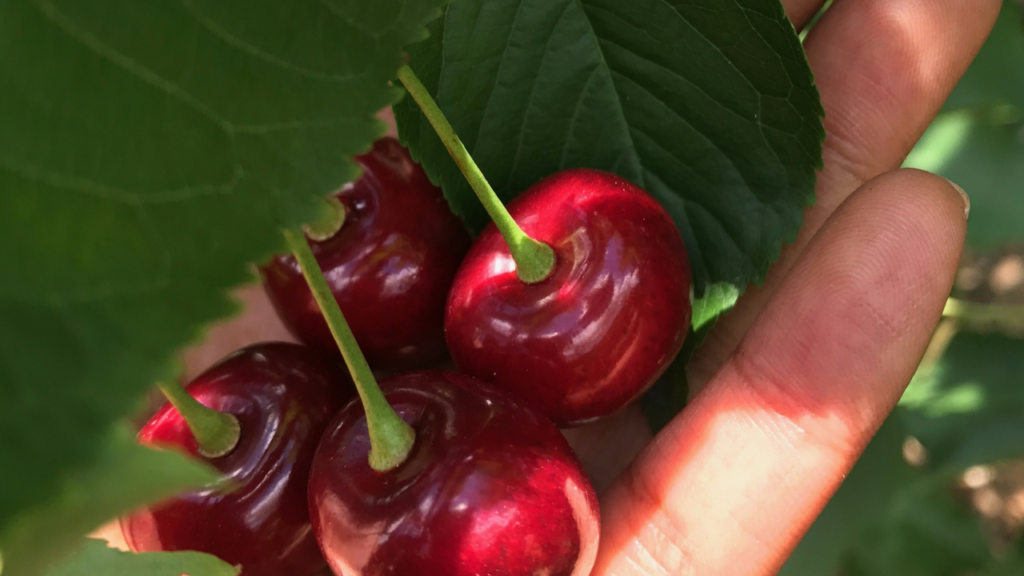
(96, 559)
(709, 105)
(984, 154)
(149, 152)
(124, 476)
(997, 74)
(926, 532)
(860, 503)
(969, 408)
(719, 299)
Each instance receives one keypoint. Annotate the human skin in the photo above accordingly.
(792, 384)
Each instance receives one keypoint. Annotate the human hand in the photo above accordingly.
(796, 379)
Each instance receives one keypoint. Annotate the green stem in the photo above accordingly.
(944, 333)
(1007, 318)
(534, 260)
(391, 439)
(216, 432)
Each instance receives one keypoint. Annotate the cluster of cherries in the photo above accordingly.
(489, 485)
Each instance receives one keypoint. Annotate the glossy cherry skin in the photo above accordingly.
(283, 395)
(490, 488)
(603, 327)
(389, 267)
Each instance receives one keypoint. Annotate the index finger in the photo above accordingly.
(732, 483)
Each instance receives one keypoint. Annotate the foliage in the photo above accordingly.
(982, 151)
(968, 408)
(124, 476)
(149, 153)
(926, 531)
(96, 558)
(708, 105)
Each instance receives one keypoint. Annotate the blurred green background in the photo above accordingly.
(940, 491)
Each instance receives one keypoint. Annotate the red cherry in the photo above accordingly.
(283, 395)
(603, 327)
(491, 487)
(389, 267)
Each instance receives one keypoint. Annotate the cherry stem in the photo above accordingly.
(216, 433)
(391, 439)
(534, 260)
(1005, 317)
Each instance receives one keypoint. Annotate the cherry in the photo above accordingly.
(604, 324)
(389, 266)
(442, 474)
(282, 397)
(490, 487)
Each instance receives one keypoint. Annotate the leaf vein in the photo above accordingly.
(575, 115)
(101, 49)
(634, 157)
(497, 74)
(529, 101)
(220, 32)
(713, 144)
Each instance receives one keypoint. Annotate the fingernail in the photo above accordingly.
(966, 198)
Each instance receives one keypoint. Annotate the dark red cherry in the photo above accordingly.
(490, 488)
(603, 327)
(390, 265)
(283, 395)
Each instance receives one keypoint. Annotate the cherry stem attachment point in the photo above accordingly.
(534, 260)
(216, 433)
(331, 224)
(391, 438)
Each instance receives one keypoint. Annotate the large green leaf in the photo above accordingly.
(96, 559)
(148, 152)
(860, 503)
(125, 475)
(997, 74)
(707, 104)
(925, 532)
(969, 408)
(984, 154)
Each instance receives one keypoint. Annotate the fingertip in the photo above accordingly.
(939, 204)
(963, 197)
(801, 396)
